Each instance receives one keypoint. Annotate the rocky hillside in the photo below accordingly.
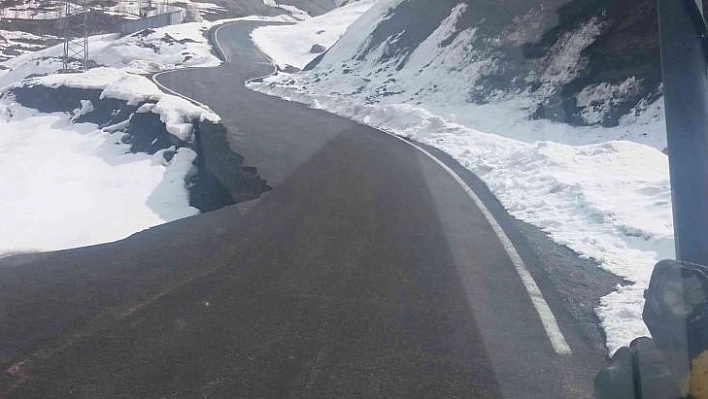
(584, 62)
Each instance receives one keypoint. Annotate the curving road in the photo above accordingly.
(367, 271)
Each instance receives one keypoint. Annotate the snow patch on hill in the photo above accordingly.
(54, 9)
(292, 44)
(177, 46)
(14, 43)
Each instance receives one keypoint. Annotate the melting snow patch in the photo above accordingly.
(66, 185)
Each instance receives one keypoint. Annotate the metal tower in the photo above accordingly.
(75, 28)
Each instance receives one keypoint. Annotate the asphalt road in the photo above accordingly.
(366, 271)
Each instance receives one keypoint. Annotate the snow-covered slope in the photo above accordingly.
(30, 25)
(149, 51)
(14, 43)
(572, 60)
(27, 25)
(298, 44)
(76, 165)
(129, 9)
(125, 148)
(554, 104)
(68, 182)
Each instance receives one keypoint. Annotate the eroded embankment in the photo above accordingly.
(219, 179)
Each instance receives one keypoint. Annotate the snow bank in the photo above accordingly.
(101, 192)
(176, 112)
(291, 44)
(155, 50)
(603, 192)
(67, 185)
(610, 202)
(296, 13)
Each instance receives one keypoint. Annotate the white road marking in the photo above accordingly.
(560, 345)
(218, 45)
(550, 324)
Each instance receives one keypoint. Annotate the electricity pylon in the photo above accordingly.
(75, 28)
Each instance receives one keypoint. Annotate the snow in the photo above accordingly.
(296, 13)
(68, 184)
(130, 9)
(597, 100)
(603, 192)
(171, 47)
(13, 43)
(101, 192)
(291, 44)
(359, 30)
(176, 112)
(167, 48)
(566, 65)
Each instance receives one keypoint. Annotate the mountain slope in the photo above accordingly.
(582, 62)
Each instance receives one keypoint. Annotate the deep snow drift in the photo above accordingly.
(460, 81)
